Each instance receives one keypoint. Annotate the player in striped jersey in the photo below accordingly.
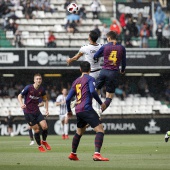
(61, 101)
(84, 89)
(114, 55)
(32, 94)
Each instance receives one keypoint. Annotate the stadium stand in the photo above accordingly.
(131, 105)
(55, 20)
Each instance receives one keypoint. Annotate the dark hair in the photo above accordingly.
(112, 35)
(85, 66)
(94, 36)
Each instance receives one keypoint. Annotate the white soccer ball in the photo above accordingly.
(72, 8)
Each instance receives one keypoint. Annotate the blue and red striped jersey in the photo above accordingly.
(84, 89)
(32, 97)
(114, 55)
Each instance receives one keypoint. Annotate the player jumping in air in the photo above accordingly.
(61, 101)
(88, 52)
(32, 93)
(114, 54)
(84, 89)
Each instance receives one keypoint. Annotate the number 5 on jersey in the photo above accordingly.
(78, 92)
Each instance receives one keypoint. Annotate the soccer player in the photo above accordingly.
(61, 101)
(88, 52)
(84, 89)
(114, 55)
(32, 93)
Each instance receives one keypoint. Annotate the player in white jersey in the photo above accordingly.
(88, 52)
(61, 101)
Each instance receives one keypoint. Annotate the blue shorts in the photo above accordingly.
(33, 118)
(88, 117)
(109, 78)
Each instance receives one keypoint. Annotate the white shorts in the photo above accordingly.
(95, 74)
(62, 117)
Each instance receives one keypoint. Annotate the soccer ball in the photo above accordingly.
(72, 8)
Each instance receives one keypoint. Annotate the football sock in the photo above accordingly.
(75, 142)
(66, 129)
(30, 134)
(62, 128)
(44, 135)
(98, 141)
(107, 102)
(37, 138)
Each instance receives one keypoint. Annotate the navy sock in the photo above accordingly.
(107, 102)
(75, 142)
(30, 134)
(98, 141)
(37, 138)
(44, 135)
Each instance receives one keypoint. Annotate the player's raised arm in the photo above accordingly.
(99, 53)
(75, 58)
(123, 61)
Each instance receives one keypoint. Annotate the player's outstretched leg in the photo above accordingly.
(167, 136)
(44, 142)
(75, 143)
(98, 144)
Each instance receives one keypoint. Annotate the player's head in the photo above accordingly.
(64, 91)
(93, 36)
(37, 79)
(111, 35)
(85, 67)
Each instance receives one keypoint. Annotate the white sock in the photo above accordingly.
(66, 129)
(62, 129)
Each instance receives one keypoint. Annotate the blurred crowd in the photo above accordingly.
(127, 27)
(143, 86)
(74, 19)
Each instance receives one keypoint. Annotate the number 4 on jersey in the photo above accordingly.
(113, 57)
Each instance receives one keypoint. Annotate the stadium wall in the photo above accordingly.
(45, 59)
(111, 126)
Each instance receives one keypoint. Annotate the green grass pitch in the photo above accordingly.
(126, 152)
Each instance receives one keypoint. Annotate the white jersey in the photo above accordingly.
(63, 107)
(89, 50)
